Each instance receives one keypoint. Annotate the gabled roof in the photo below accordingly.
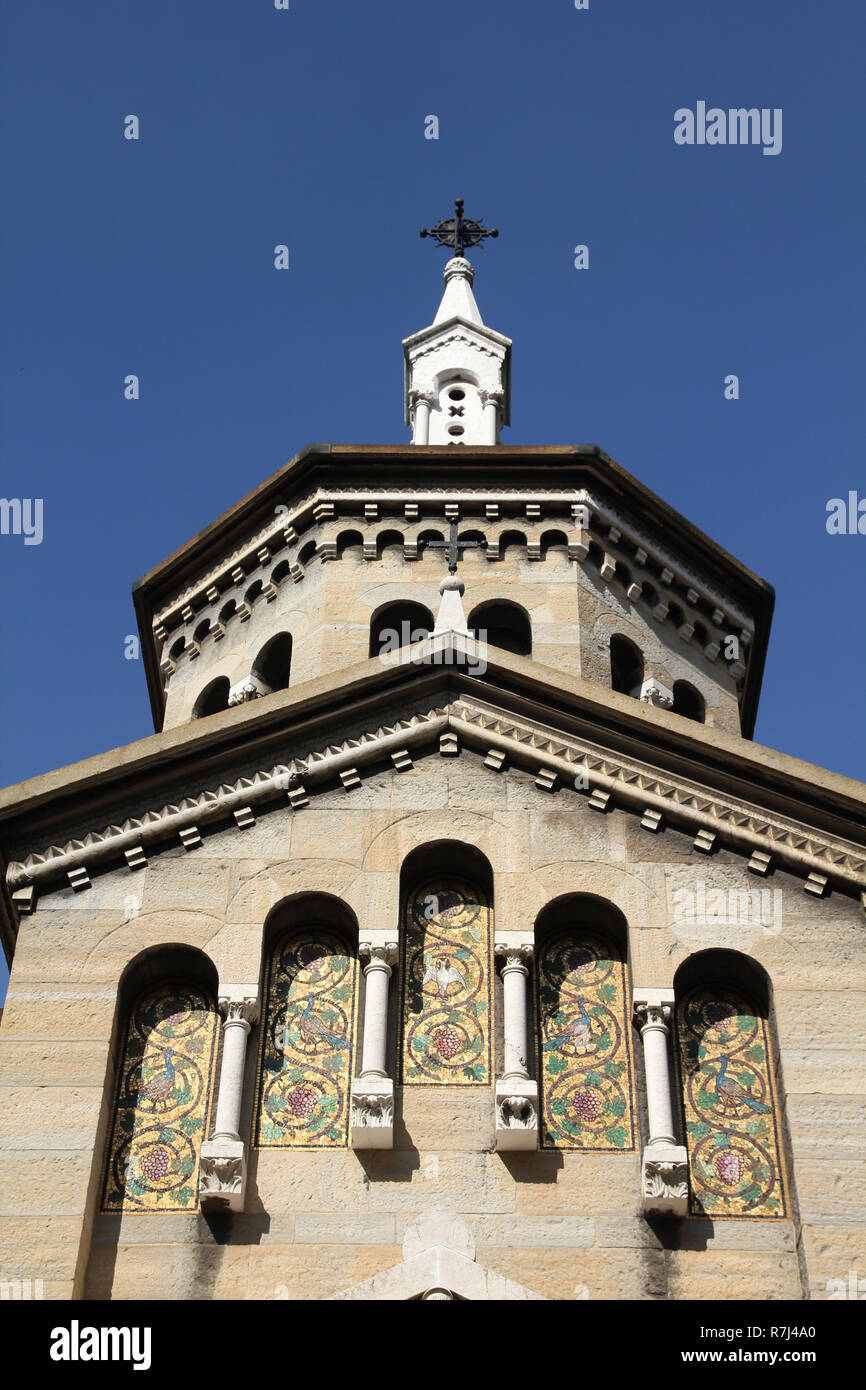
(78, 820)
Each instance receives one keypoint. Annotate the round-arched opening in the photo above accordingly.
(177, 648)
(688, 702)
(274, 662)
(201, 631)
(213, 699)
(399, 625)
(626, 666)
(504, 625)
(228, 610)
(728, 969)
(350, 543)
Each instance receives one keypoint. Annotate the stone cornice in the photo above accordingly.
(614, 780)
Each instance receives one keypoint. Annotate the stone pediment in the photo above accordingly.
(438, 1264)
(612, 749)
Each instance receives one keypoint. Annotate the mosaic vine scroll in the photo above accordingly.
(446, 972)
(730, 1109)
(584, 1045)
(163, 1101)
(307, 1043)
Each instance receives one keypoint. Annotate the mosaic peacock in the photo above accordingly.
(159, 1090)
(732, 1094)
(578, 1033)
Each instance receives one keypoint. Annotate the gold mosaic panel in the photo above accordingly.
(446, 971)
(307, 1043)
(730, 1109)
(163, 1101)
(584, 1045)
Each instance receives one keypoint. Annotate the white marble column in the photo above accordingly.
(373, 1090)
(490, 402)
(421, 421)
(223, 1173)
(665, 1162)
(516, 1095)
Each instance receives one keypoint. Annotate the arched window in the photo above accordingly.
(280, 572)
(274, 662)
(727, 1080)
(177, 648)
(307, 1045)
(307, 552)
(213, 698)
(228, 610)
(688, 702)
(398, 625)
(254, 591)
(626, 666)
(163, 1098)
(202, 630)
(585, 1069)
(446, 968)
(504, 625)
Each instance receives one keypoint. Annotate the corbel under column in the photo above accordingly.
(373, 1090)
(223, 1173)
(516, 1094)
(664, 1165)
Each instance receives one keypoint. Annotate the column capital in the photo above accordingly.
(239, 1004)
(516, 957)
(381, 955)
(653, 1007)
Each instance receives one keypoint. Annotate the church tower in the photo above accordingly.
(450, 937)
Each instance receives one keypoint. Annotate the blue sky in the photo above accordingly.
(306, 127)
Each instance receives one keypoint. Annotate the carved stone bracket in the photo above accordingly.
(223, 1175)
(373, 1112)
(516, 1102)
(665, 1180)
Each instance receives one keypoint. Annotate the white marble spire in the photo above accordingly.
(457, 371)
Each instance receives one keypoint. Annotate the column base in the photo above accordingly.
(665, 1180)
(223, 1175)
(516, 1114)
(372, 1112)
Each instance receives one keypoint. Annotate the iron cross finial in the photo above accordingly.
(459, 231)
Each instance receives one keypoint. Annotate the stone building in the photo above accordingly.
(450, 937)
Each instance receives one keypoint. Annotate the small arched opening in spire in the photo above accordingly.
(397, 625)
(502, 624)
(213, 699)
(688, 702)
(626, 666)
(274, 662)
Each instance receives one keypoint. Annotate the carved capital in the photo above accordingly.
(239, 1009)
(250, 688)
(515, 957)
(379, 957)
(653, 1008)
